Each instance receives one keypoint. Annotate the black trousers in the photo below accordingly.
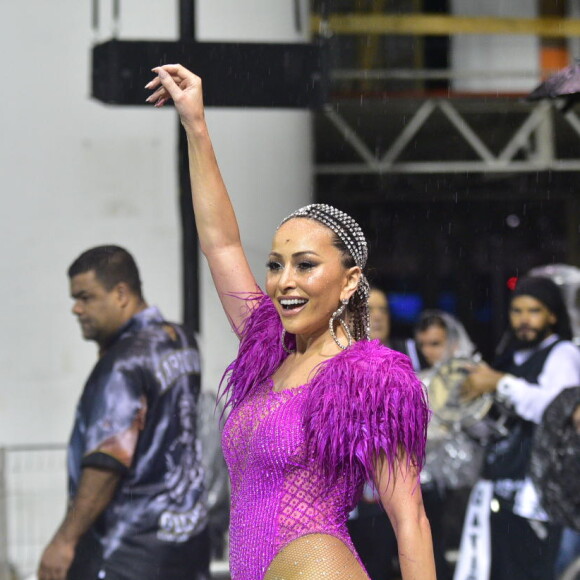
(522, 549)
(376, 544)
(187, 561)
(88, 559)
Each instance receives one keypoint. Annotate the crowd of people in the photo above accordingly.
(351, 453)
(507, 532)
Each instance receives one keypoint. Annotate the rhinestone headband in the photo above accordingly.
(344, 226)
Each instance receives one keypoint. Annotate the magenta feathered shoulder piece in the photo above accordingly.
(364, 402)
(260, 352)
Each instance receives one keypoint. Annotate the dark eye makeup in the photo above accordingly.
(302, 265)
(273, 266)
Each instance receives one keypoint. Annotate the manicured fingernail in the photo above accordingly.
(160, 103)
(162, 73)
(148, 99)
(148, 84)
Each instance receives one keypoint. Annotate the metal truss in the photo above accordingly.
(531, 147)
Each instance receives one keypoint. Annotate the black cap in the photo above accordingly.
(548, 293)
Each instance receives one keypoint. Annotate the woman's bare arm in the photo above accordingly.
(216, 223)
(400, 495)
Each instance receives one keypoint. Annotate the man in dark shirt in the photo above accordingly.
(538, 364)
(136, 504)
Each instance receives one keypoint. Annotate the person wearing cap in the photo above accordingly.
(538, 363)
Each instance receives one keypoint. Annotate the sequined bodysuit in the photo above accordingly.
(277, 495)
(298, 458)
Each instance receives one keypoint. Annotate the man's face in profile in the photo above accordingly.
(97, 309)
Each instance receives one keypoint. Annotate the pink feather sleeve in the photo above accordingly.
(260, 352)
(365, 402)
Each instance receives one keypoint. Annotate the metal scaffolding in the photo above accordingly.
(532, 145)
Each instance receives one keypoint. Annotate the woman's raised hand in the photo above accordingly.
(217, 227)
(175, 82)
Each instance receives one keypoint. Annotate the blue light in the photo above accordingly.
(404, 306)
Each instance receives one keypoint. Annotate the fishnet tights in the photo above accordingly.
(315, 556)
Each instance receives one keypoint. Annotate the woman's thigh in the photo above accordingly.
(315, 556)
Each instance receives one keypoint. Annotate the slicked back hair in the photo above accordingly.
(112, 265)
(428, 319)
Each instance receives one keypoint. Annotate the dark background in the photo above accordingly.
(458, 254)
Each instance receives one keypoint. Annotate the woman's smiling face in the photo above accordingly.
(306, 278)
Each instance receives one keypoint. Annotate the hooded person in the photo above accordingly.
(440, 336)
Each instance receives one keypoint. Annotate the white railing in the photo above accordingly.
(32, 503)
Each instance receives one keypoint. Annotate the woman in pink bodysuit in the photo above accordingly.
(316, 409)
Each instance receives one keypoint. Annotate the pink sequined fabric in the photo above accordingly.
(277, 495)
(298, 458)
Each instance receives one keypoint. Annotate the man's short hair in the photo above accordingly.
(429, 318)
(111, 264)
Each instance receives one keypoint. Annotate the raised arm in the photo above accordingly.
(400, 495)
(215, 219)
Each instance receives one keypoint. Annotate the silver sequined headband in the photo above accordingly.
(344, 226)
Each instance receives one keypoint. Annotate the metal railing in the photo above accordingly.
(32, 502)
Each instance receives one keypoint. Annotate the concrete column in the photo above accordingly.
(495, 53)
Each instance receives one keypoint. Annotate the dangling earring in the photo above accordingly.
(337, 315)
(288, 350)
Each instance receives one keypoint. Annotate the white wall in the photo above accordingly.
(265, 156)
(74, 173)
(77, 173)
(495, 53)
